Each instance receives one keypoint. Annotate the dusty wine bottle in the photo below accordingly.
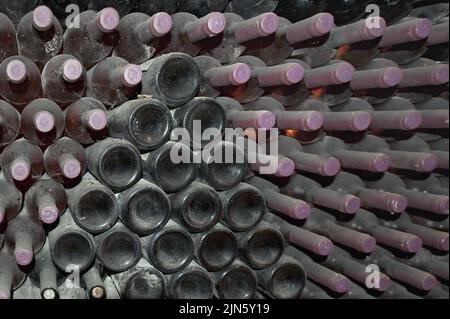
(215, 76)
(25, 236)
(144, 208)
(39, 35)
(301, 237)
(22, 163)
(64, 79)
(238, 281)
(174, 79)
(170, 250)
(8, 37)
(66, 238)
(10, 201)
(11, 277)
(94, 38)
(46, 200)
(94, 207)
(188, 33)
(244, 207)
(140, 35)
(278, 202)
(197, 208)
(238, 117)
(435, 113)
(42, 122)
(9, 123)
(221, 174)
(284, 280)
(20, 81)
(114, 81)
(115, 163)
(216, 249)
(65, 161)
(141, 282)
(161, 168)
(118, 249)
(429, 183)
(147, 123)
(45, 276)
(193, 282)
(428, 262)
(86, 121)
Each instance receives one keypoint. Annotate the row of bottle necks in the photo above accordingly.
(247, 232)
(295, 10)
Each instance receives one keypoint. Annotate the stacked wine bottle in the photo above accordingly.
(93, 205)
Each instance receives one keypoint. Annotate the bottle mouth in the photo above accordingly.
(238, 283)
(49, 294)
(132, 75)
(23, 257)
(16, 71)
(218, 250)
(97, 293)
(244, 209)
(97, 120)
(73, 70)
(108, 20)
(162, 24)
(42, 18)
(44, 122)
(264, 248)
(195, 284)
(288, 281)
(20, 171)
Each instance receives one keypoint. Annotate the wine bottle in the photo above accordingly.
(25, 236)
(115, 163)
(174, 79)
(415, 161)
(94, 280)
(238, 117)
(261, 247)
(114, 81)
(140, 282)
(140, 35)
(437, 204)
(401, 272)
(405, 41)
(66, 238)
(243, 207)
(191, 283)
(296, 120)
(435, 113)
(189, 33)
(42, 122)
(438, 240)
(11, 276)
(264, 79)
(118, 249)
(95, 36)
(161, 169)
(65, 161)
(154, 6)
(9, 123)
(320, 274)
(278, 202)
(46, 200)
(236, 275)
(342, 262)
(416, 144)
(284, 280)
(94, 207)
(429, 183)
(16, 10)
(45, 276)
(301, 237)
(275, 49)
(64, 79)
(144, 208)
(39, 35)
(22, 163)
(238, 33)
(200, 8)
(197, 208)
(20, 81)
(170, 250)
(370, 198)
(428, 262)
(8, 37)
(215, 76)
(122, 6)
(147, 123)
(10, 201)
(86, 121)
(291, 148)
(222, 175)
(438, 42)
(216, 249)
